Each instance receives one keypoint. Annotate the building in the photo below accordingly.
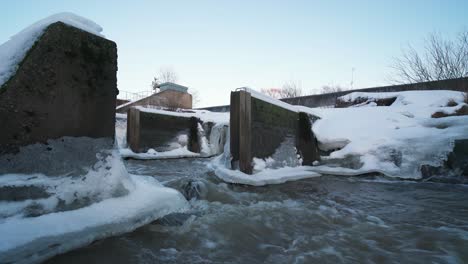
(170, 96)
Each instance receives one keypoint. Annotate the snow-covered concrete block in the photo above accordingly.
(161, 132)
(65, 85)
(262, 129)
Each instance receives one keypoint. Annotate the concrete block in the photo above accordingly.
(259, 129)
(147, 130)
(65, 86)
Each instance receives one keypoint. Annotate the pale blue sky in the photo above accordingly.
(217, 46)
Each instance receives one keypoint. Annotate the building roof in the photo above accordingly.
(172, 86)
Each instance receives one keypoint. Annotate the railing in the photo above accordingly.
(131, 96)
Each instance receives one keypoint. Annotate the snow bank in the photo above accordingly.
(203, 115)
(181, 152)
(37, 238)
(74, 191)
(394, 140)
(13, 51)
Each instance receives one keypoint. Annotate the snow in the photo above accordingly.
(125, 104)
(203, 115)
(269, 99)
(79, 209)
(263, 177)
(181, 152)
(54, 233)
(13, 51)
(394, 140)
(210, 145)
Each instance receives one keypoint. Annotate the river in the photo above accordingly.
(327, 219)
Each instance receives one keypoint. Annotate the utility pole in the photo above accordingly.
(352, 77)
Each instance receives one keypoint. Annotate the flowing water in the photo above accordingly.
(327, 219)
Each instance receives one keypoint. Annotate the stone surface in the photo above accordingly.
(65, 86)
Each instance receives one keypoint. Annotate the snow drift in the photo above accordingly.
(395, 140)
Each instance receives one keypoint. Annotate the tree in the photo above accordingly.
(331, 89)
(291, 89)
(441, 59)
(288, 90)
(166, 74)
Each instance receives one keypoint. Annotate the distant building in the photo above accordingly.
(172, 86)
(170, 96)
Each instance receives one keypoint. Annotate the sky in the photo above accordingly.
(218, 46)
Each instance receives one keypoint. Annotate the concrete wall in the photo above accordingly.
(65, 86)
(324, 100)
(120, 102)
(168, 99)
(258, 128)
(150, 130)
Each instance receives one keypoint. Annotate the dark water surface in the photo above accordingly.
(320, 220)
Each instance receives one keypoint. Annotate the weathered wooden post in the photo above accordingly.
(241, 131)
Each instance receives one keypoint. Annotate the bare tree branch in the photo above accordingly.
(288, 90)
(441, 59)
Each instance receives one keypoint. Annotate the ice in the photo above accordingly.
(181, 152)
(265, 171)
(37, 238)
(13, 51)
(72, 192)
(214, 144)
(263, 177)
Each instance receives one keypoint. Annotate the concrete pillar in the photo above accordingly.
(133, 129)
(66, 85)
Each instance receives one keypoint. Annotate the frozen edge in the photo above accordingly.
(38, 238)
(172, 154)
(265, 177)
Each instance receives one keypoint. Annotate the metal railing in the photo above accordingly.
(131, 96)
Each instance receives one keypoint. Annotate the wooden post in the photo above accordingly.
(241, 129)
